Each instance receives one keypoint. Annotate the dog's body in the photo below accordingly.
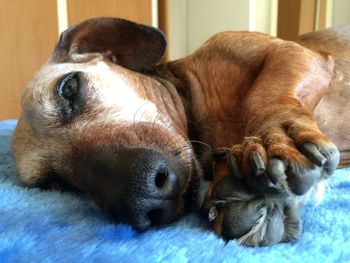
(102, 117)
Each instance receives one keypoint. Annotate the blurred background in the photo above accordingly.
(29, 29)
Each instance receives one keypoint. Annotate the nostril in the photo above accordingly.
(164, 184)
(155, 216)
(161, 178)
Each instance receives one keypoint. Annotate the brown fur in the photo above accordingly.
(229, 96)
(248, 91)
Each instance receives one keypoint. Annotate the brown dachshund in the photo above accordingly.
(103, 117)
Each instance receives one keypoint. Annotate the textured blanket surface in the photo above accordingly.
(52, 226)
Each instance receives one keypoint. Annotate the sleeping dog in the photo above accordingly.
(259, 116)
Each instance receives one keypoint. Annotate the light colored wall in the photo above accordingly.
(207, 17)
(192, 22)
(263, 16)
(341, 12)
(177, 38)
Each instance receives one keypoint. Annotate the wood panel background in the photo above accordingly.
(29, 31)
(137, 10)
(28, 35)
(297, 17)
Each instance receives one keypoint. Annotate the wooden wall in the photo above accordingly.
(297, 17)
(29, 31)
(136, 10)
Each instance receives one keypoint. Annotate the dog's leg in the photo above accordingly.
(283, 156)
(332, 113)
(281, 135)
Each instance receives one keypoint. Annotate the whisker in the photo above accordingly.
(183, 147)
(134, 118)
(142, 114)
(154, 122)
(171, 138)
(201, 143)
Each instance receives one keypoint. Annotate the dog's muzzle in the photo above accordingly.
(138, 186)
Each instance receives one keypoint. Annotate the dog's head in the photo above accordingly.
(94, 117)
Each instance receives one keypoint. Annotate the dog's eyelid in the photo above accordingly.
(68, 94)
(68, 86)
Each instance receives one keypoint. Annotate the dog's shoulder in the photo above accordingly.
(334, 41)
(235, 42)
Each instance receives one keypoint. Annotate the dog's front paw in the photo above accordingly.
(253, 220)
(278, 163)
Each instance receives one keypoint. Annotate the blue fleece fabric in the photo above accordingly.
(51, 226)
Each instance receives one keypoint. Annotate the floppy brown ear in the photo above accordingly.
(131, 45)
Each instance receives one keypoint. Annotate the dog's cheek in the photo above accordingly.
(32, 168)
(29, 159)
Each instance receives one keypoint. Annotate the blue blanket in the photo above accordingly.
(51, 226)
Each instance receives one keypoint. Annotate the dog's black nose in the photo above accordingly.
(138, 186)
